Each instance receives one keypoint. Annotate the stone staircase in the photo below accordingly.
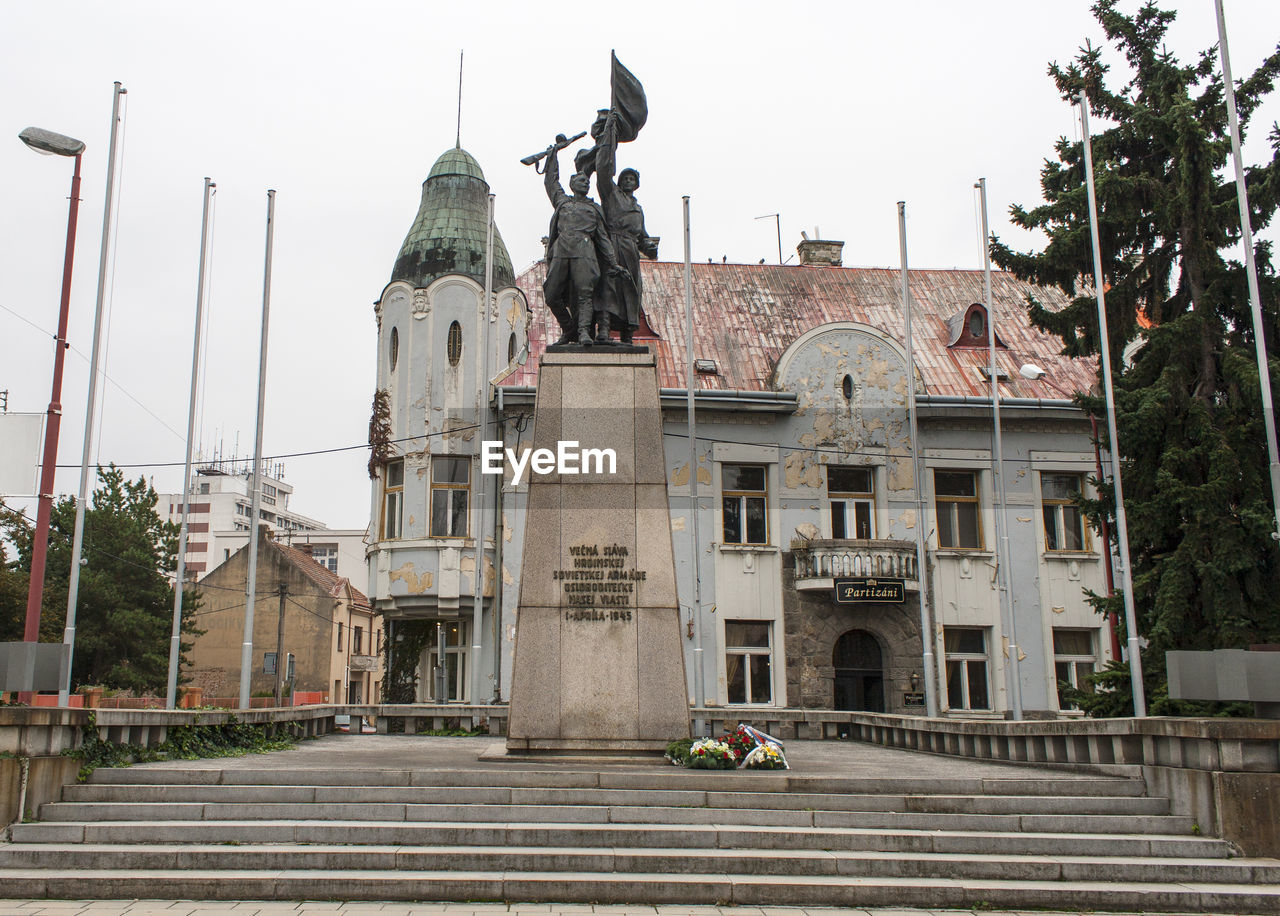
(530, 832)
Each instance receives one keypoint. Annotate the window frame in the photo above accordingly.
(741, 497)
(448, 486)
(392, 502)
(952, 507)
(456, 680)
(1073, 661)
(746, 667)
(965, 660)
(1058, 508)
(854, 499)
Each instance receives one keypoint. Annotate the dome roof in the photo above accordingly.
(448, 234)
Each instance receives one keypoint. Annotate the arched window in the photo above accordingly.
(394, 354)
(455, 344)
(511, 348)
(846, 387)
(977, 324)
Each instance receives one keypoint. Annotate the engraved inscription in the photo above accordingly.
(601, 579)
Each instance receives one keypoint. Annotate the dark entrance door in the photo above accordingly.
(859, 672)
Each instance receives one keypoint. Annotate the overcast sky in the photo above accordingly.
(825, 113)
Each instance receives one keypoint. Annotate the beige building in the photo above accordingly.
(331, 640)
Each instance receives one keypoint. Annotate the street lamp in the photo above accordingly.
(47, 142)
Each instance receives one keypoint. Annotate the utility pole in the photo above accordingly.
(280, 672)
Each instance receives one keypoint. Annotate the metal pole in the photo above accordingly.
(1104, 347)
(1251, 267)
(175, 639)
(695, 612)
(922, 557)
(482, 415)
(997, 470)
(77, 540)
(49, 459)
(251, 589)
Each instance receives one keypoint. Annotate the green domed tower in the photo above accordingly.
(448, 235)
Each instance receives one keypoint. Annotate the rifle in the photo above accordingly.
(561, 142)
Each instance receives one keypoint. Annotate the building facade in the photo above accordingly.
(220, 516)
(804, 476)
(310, 625)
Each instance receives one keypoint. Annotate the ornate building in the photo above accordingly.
(804, 474)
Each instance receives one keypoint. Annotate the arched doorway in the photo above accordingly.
(859, 672)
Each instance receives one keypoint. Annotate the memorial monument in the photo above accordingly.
(599, 659)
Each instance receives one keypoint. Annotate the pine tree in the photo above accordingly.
(1188, 405)
(125, 598)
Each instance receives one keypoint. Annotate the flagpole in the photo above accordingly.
(1113, 440)
(997, 468)
(1251, 267)
(695, 612)
(922, 560)
(175, 640)
(77, 539)
(251, 589)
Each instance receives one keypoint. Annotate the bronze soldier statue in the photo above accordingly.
(577, 242)
(620, 297)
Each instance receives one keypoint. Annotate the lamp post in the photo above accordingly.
(49, 143)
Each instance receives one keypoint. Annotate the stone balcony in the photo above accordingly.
(819, 562)
(364, 662)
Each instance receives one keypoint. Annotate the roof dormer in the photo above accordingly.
(968, 328)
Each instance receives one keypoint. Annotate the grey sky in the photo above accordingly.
(826, 113)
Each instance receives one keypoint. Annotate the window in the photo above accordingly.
(268, 494)
(748, 659)
(846, 387)
(1063, 525)
(967, 683)
(745, 494)
(977, 324)
(450, 492)
(455, 344)
(394, 354)
(447, 681)
(357, 640)
(851, 493)
(339, 637)
(511, 348)
(392, 498)
(957, 498)
(325, 555)
(1074, 659)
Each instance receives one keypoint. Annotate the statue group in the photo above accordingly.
(593, 284)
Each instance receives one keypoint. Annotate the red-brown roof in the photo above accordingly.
(746, 315)
(336, 586)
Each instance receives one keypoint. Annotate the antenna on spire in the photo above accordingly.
(458, 143)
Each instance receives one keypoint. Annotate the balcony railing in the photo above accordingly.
(817, 562)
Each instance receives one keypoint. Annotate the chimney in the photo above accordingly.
(819, 252)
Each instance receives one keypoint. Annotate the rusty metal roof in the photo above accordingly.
(336, 586)
(746, 315)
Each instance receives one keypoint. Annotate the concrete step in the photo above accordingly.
(613, 814)
(652, 888)
(666, 861)
(630, 836)
(307, 794)
(653, 778)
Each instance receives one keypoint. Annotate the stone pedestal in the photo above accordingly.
(599, 658)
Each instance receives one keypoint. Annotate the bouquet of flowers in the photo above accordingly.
(765, 757)
(710, 754)
(756, 750)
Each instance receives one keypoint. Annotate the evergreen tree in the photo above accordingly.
(125, 599)
(1188, 405)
